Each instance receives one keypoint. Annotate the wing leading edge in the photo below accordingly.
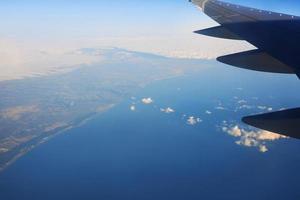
(275, 35)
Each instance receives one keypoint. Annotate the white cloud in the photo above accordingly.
(132, 108)
(208, 112)
(242, 101)
(188, 45)
(235, 131)
(268, 136)
(220, 108)
(263, 148)
(167, 110)
(193, 120)
(245, 107)
(251, 138)
(3, 150)
(29, 58)
(262, 107)
(147, 100)
(224, 122)
(265, 108)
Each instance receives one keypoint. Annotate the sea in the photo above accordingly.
(171, 147)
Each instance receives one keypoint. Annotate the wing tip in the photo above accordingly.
(199, 3)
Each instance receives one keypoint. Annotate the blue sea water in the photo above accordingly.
(150, 155)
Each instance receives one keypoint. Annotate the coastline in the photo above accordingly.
(44, 137)
(25, 148)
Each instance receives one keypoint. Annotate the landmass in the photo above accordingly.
(33, 110)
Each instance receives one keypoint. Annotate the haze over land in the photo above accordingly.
(36, 37)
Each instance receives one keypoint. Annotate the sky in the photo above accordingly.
(157, 26)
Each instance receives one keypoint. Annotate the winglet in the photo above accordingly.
(200, 3)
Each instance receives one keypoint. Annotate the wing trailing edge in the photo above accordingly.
(256, 60)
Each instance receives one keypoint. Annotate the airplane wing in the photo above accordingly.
(276, 36)
(285, 122)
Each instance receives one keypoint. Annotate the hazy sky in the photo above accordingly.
(158, 26)
(104, 18)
